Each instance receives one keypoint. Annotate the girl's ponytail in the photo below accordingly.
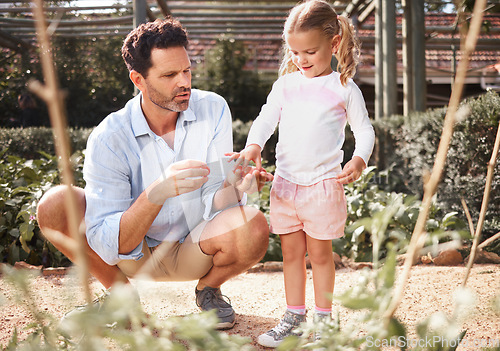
(348, 50)
(287, 65)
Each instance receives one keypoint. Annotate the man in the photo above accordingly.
(156, 202)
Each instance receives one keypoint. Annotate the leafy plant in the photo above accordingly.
(415, 139)
(29, 142)
(23, 184)
(377, 218)
(93, 93)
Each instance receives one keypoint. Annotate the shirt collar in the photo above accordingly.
(140, 125)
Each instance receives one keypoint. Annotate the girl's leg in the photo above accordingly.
(293, 246)
(323, 268)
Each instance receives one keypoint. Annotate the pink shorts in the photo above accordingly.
(318, 209)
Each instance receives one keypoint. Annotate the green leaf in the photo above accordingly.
(358, 302)
(21, 190)
(14, 232)
(289, 343)
(396, 328)
(26, 230)
(458, 339)
(388, 272)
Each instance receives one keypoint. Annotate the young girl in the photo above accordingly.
(312, 104)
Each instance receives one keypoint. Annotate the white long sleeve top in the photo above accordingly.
(312, 114)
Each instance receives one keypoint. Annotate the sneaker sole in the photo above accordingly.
(225, 325)
(267, 341)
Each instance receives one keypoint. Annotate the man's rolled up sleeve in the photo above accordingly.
(108, 196)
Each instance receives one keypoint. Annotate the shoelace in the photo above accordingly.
(282, 328)
(219, 298)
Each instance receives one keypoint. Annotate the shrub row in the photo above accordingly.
(29, 142)
(410, 147)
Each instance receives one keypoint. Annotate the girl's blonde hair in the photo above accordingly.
(319, 14)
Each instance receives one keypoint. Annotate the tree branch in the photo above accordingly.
(484, 206)
(418, 237)
(54, 99)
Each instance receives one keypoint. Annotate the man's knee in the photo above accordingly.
(258, 230)
(259, 224)
(51, 209)
(241, 229)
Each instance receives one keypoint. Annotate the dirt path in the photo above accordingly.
(258, 299)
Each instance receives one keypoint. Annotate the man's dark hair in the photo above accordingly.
(161, 34)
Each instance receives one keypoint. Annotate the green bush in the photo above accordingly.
(224, 72)
(29, 142)
(23, 184)
(412, 150)
(91, 71)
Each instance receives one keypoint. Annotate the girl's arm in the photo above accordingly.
(352, 170)
(364, 136)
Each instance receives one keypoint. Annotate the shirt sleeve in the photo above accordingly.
(108, 196)
(357, 116)
(267, 120)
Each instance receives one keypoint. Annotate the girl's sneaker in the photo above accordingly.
(320, 320)
(286, 327)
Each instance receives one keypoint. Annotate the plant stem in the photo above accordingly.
(54, 98)
(469, 217)
(484, 206)
(489, 241)
(430, 187)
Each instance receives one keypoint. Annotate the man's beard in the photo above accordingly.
(168, 103)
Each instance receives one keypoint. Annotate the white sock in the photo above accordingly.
(297, 309)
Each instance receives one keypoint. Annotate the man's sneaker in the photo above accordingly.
(70, 323)
(286, 327)
(110, 308)
(212, 299)
(96, 304)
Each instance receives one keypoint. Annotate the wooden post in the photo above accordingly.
(408, 74)
(140, 16)
(419, 82)
(389, 57)
(140, 12)
(379, 59)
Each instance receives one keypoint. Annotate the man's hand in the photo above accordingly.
(179, 178)
(352, 170)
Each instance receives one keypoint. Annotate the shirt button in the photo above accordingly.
(172, 213)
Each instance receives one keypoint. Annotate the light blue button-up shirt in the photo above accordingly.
(124, 157)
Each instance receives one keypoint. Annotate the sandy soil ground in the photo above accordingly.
(258, 299)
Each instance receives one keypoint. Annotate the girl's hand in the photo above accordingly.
(250, 153)
(352, 170)
(250, 181)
